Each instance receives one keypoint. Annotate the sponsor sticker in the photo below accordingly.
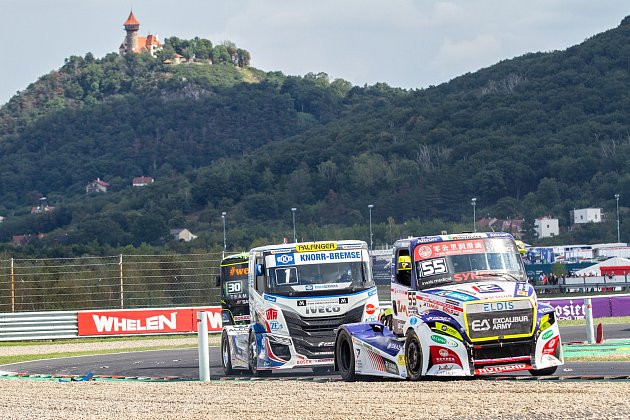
(547, 334)
(285, 259)
(316, 246)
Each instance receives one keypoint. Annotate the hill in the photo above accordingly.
(539, 134)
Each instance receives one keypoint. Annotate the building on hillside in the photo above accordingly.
(512, 226)
(133, 43)
(141, 181)
(590, 215)
(183, 235)
(96, 186)
(1, 219)
(41, 209)
(546, 226)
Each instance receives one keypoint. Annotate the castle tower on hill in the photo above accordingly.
(138, 44)
(132, 26)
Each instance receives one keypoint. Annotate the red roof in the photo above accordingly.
(131, 20)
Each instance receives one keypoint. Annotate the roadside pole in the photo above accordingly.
(588, 310)
(204, 352)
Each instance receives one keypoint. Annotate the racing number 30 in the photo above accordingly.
(432, 267)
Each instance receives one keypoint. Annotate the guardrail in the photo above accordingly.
(38, 325)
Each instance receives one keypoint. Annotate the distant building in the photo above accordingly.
(546, 226)
(41, 209)
(513, 226)
(96, 186)
(1, 219)
(182, 235)
(138, 44)
(141, 181)
(591, 215)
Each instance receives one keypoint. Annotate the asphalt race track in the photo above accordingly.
(184, 363)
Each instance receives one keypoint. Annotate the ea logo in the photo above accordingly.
(480, 325)
(424, 251)
(284, 259)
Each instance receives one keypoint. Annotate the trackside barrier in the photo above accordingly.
(57, 325)
(38, 325)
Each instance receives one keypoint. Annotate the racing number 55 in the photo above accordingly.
(432, 267)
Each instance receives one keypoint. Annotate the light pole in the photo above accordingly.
(370, 207)
(473, 201)
(618, 236)
(224, 240)
(293, 209)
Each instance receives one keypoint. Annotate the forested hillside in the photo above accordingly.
(537, 135)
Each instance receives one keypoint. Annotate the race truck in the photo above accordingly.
(461, 306)
(299, 294)
(232, 281)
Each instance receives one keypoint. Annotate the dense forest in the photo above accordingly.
(540, 134)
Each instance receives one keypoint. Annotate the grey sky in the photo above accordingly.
(404, 43)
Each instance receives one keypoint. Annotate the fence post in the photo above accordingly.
(122, 289)
(12, 287)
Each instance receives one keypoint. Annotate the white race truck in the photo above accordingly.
(299, 294)
(461, 306)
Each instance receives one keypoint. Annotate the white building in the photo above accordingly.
(587, 215)
(546, 226)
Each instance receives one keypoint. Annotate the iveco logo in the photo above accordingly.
(322, 309)
(284, 259)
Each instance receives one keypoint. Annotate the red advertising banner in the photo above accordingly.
(145, 321)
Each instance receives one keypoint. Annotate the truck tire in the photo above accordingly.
(344, 353)
(253, 357)
(413, 356)
(226, 356)
(543, 372)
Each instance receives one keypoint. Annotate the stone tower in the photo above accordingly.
(131, 40)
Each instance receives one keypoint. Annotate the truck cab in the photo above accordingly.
(298, 295)
(232, 281)
(461, 306)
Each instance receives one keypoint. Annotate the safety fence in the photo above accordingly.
(121, 281)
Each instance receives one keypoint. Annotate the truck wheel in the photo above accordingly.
(226, 357)
(253, 357)
(413, 356)
(543, 372)
(344, 353)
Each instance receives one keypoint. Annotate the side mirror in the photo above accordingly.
(259, 270)
(218, 281)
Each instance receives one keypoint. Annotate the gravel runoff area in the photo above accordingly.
(240, 399)
(291, 399)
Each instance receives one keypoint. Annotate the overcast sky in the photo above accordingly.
(404, 43)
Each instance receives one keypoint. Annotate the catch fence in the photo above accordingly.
(113, 282)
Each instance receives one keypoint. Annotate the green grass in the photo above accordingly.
(90, 340)
(608, 320)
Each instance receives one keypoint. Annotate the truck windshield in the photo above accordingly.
(319, 279)
(467, 261)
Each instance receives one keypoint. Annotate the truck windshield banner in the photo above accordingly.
(315, 258)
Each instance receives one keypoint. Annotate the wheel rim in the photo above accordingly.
(414, 357)
(226, 355)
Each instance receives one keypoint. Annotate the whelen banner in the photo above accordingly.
(145, 321)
